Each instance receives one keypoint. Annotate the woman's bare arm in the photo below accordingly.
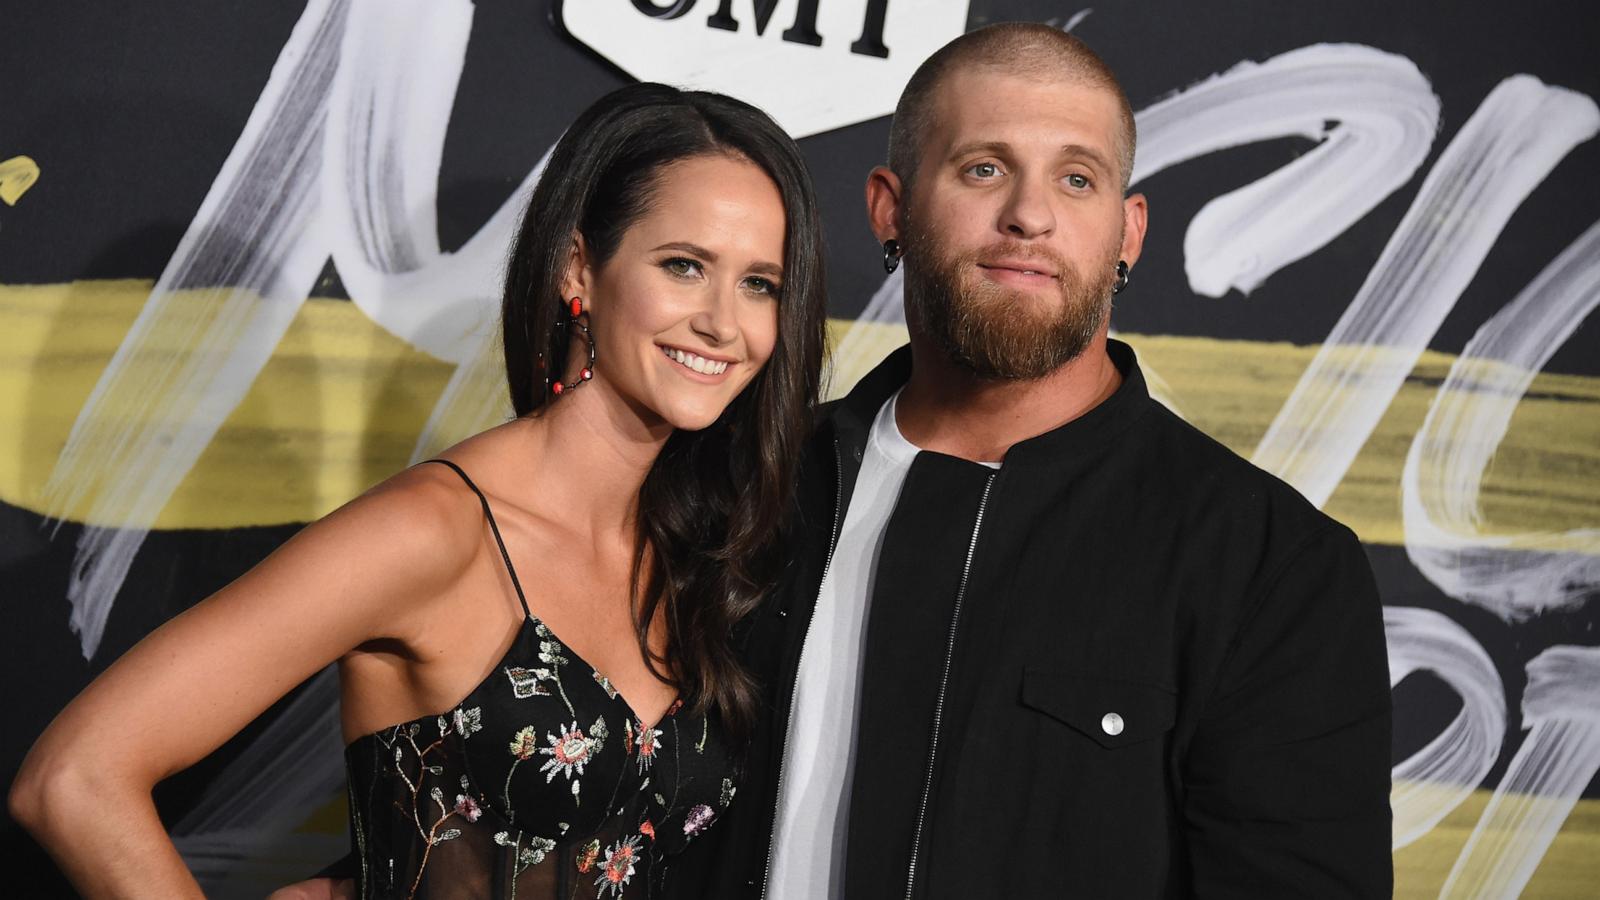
(367, 571)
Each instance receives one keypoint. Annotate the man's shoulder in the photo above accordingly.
(1197, 468)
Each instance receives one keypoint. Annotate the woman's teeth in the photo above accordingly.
(698, 363)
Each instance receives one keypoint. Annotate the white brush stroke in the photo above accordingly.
(240, 272)
(1513, 576)
(1558, 758)
(1434, 780)
(476, 397)
(1519, 133)
(397, 80)
(1385, 116)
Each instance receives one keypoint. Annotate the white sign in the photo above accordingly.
(814, 65)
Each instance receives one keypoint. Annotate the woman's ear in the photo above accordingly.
(579, 278)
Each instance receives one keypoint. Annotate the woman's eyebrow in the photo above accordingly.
(691, 249)
(761, 267)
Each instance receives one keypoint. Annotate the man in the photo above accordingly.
(1064, 644)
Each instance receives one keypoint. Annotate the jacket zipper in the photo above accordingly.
(794, 691)
(944, 683)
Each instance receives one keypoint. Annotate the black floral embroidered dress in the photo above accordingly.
(542, 783)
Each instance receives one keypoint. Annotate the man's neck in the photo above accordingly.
(947, 409)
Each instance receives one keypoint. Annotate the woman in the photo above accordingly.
(547, 610)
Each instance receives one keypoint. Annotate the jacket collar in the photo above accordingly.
(852, 416)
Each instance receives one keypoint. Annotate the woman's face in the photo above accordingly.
(685, 313)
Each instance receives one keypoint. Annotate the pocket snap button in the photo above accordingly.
(1111, 724)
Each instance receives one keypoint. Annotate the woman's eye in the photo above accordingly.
(761, 286)
(984, 170)
(1078, 181)
(681, 267)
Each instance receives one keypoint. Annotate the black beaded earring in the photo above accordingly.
(1122, 277)
(891, 255)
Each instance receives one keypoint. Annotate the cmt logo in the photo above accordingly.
(833, 63)
(803, 31)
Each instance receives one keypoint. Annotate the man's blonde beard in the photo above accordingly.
(991, 331)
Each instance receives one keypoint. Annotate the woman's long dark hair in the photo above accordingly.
(712, 504)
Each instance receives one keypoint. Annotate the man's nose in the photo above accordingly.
(1027, 212)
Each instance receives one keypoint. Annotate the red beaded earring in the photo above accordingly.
(579, 319)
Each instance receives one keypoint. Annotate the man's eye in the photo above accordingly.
(681, 267)
(984, 170)
(1078, 181)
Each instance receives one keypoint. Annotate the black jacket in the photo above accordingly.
(1126, 664)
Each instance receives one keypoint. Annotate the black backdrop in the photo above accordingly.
(130, 112)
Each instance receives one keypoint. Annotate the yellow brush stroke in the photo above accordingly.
(1570, 867)
(336, 409)
(1545, 475)
(339, 407)
(17, 174)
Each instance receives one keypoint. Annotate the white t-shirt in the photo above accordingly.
(808, 840)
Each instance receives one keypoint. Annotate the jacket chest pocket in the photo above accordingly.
(1112, 713)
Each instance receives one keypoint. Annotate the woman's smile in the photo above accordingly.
(695, 364)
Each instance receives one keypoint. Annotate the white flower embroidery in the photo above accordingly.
(618, 866)
(469, 721)
(569, 752)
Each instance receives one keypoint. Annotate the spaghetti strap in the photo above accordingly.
(489, 514)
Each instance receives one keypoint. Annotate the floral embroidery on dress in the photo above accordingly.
(587, 856)
(568, 753)
(698, 819)
(424, 823)
(526, 857)
(549, 649)
(525, 743)
(469, 721)
(466, 806)
(647, 744)
(525, 682)
(617, 869)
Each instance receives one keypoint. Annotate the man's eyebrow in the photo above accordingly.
(998, 148)
(1094, 156)
(760, 267)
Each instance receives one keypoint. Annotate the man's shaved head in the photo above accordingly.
(1022, 49)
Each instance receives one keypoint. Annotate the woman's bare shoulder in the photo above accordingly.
(423, 523)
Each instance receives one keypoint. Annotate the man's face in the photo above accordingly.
(1014, 222)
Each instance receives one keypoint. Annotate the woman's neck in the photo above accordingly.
(592, 451)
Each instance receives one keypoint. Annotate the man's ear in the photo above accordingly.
(579, 278)
(885, 199)
(1135, 217)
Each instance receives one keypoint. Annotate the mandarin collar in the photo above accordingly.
(853, 415)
